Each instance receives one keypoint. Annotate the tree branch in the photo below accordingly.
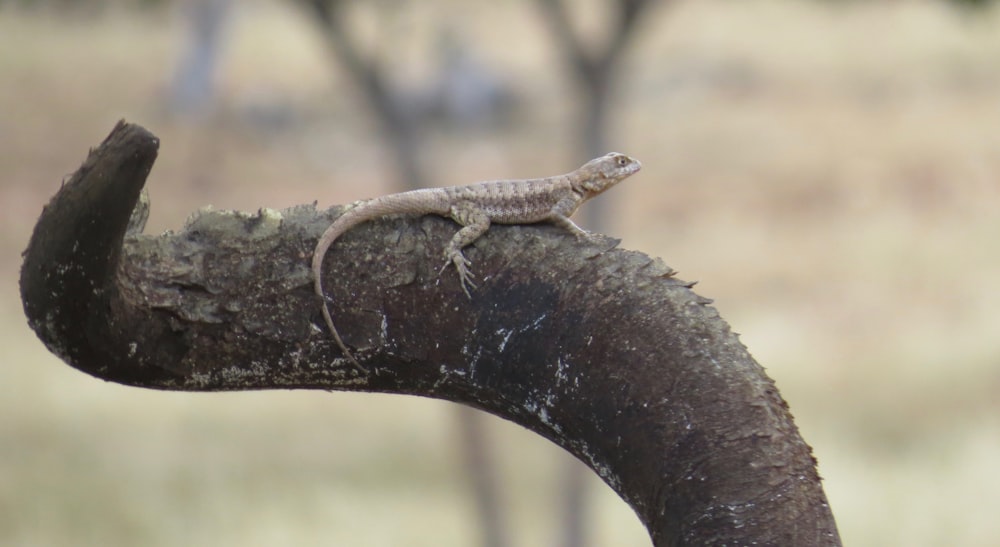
(603, 351)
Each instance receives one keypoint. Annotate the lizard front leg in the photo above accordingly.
(570, 226)
(475, 222)
(561, 212)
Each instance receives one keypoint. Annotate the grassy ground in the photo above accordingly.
(830, 176)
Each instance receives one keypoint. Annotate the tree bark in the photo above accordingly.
(601, 350)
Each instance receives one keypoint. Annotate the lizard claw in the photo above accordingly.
(465, 276)
(465, 289)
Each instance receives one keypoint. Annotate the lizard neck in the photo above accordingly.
(588, 184)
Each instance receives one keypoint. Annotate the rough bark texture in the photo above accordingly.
(600, 350)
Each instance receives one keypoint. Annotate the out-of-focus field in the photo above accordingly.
(830, 176)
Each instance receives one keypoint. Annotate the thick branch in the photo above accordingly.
(67, 280)
(600, 350)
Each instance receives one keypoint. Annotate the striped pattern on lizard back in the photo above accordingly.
(475, 207)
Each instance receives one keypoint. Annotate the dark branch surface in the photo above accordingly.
(600, 350)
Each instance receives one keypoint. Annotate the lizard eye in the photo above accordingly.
(622, 161)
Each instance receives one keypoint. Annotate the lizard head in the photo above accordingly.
(606, 171)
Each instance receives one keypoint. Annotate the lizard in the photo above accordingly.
(474, 208)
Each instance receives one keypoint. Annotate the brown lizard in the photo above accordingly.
(475, 207)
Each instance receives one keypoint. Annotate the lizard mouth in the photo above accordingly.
(632, 168)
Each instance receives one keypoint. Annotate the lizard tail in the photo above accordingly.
(341, 225)
(336, 335)
(427, 201)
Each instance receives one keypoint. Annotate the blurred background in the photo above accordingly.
(829, 171)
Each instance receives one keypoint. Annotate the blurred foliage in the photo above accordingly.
(973, 3)
(964, 3)
(85, 5)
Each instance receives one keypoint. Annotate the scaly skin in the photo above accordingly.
(475, 207)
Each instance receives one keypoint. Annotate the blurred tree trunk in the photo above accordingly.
(192, 91)
(397, 128)
(483, 472)
(596, 70)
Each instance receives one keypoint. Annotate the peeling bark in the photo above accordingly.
(601, 350)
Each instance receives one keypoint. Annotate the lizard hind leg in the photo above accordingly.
(462, 264)
(475, 222)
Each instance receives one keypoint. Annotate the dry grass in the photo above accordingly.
(831, 176)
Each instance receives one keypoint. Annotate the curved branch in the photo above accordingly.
(601, 350)
(67, 279)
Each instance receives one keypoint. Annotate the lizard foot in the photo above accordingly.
(465, 275)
